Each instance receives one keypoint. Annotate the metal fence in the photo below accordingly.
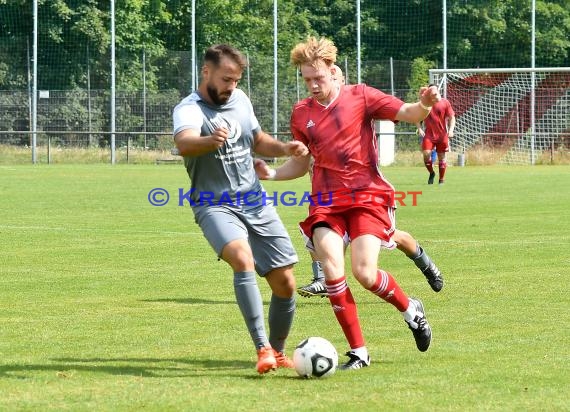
(96, 113)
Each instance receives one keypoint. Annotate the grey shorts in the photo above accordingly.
(270, 243)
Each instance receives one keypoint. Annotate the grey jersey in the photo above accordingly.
(225, 176)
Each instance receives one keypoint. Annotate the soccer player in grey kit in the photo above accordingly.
(216, 131)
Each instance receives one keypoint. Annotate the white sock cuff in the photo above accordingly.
(361, 352)
(410, 313)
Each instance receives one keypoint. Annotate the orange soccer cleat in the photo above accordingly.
(283, 361)
(266, 360)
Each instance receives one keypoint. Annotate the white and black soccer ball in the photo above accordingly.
(315, 357)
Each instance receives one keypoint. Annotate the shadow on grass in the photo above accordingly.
(199, 301)
(141, 367)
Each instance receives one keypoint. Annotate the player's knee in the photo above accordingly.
(365, 274)
(238, 256)
(289, 285)
(282, 281)
(332, 269)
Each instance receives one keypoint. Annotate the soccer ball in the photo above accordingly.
(315, 357)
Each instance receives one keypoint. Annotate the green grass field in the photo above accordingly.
(110, 304)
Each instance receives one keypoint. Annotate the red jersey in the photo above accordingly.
(342, 140)
(435, 124)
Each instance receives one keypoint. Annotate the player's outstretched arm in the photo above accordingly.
(416, 112)
(190, 143)
(294, 167)
(266, 145)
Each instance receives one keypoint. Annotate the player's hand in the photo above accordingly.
(262, 169)
(450, 134)
(421, 133)
(219, 136)
(296, 148)
(429, 95)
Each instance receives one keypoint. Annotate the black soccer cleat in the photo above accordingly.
(433, 276)
(315, 288)
(430, 178)
(354, 362)
(420, 326)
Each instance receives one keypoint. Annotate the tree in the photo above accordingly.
(497, 33)
(553, 33)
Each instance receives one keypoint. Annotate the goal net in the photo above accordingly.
(516, 116)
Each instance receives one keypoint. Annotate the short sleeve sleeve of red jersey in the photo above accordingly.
(449, 109)
(381, 106)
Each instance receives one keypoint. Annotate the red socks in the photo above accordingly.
(345, 311)
(388, 289)
(344, 306)
(442, 168)
(429, 166)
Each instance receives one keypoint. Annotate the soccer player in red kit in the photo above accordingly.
(404, 242)
(351, 200)
(438, 128)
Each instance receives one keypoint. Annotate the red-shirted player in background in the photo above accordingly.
(337, 126)
(438, 128)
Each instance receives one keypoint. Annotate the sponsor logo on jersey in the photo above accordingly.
(233, 127)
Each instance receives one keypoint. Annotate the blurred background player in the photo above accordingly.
(438, 128)
(404, 241)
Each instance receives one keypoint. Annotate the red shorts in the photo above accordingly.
(352, 221)
(441, 145)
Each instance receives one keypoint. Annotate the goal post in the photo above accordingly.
(517, 114)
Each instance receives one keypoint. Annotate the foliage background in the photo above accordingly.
(400, 40)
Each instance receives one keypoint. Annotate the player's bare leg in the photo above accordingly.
(364, 254)
(330, 249)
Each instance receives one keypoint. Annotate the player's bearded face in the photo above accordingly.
(221, 81)
(217, 96)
